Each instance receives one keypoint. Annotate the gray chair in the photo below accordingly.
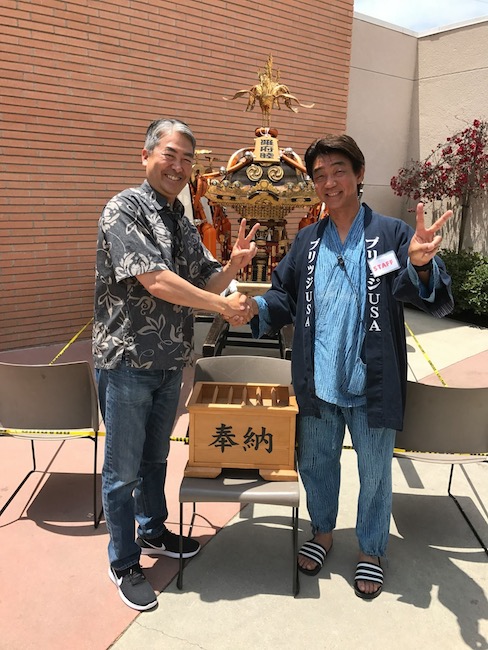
(243, 368)
(49, 402)
(240, 486)
(445, 425)
(220, 334)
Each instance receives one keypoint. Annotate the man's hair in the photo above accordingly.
(159, 128)
(330, 143)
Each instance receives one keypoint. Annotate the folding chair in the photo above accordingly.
(220, 335)
(234, 486)
(49, 402)
(445, 425)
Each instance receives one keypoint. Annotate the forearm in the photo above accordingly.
(219, 282)
(435, 298)
(168, 286)
(262, 324)
(254, 307)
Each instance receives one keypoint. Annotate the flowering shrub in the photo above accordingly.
(469, 274)
(456, 169)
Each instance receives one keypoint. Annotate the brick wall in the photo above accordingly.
(81, 80)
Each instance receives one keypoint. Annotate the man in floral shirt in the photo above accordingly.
(152, 271)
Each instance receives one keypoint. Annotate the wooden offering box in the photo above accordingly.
(242, 426)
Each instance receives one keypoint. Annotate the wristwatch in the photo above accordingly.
(423, 267)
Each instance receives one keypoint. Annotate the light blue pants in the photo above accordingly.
(320, 443)
(139, 408)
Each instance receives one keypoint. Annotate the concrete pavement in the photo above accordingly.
(55, 593)
(237, 591)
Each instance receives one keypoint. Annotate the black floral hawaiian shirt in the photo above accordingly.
(139, 233)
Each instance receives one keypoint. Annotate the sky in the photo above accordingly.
(422, 15)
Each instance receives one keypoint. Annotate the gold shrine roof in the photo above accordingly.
(263, 182)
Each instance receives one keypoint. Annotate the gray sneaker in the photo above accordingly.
(134, 589)
(168, 544)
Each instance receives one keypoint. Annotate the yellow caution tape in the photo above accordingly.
(186, 439)
(70, 342)
(441, 453)
(425, 355)
(84, 433)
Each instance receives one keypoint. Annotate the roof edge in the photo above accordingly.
(429, 32)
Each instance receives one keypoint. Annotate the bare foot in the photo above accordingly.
(366, 586)
(325, 540)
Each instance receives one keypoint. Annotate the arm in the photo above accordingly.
(242, 253)
(430, 290)
(277, 307)
(166, 285)
(425, 243)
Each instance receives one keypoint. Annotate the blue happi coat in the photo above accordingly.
(291, 299)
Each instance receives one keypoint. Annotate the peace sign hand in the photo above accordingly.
(425, 243)
(245, 247)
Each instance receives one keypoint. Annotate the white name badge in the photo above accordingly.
(384, 264)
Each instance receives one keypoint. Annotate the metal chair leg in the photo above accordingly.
(96, 518)
(296, 579)
(34, 467)
(179, 582)
(192, 522)
(475, 532)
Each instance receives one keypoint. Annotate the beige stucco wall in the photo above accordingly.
(407, 93)
(453, 82)
(382, 100)
(453, 91)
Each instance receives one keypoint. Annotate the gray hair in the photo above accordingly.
(159, 128)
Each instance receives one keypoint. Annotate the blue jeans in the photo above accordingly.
(320, 443)
(139, 409)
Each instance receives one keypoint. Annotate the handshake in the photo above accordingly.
(239, 308)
